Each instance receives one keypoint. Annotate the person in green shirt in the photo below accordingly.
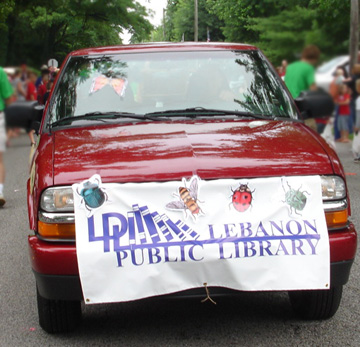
(6, 91)
(300, 75)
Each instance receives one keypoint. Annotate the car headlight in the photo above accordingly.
(57, 199)
(334, 201)
(333, 188)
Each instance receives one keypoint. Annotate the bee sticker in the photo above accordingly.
(188, 199)
(93, 196)
(242, 197)
(296, 199)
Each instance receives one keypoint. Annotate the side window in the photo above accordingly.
(64, 97)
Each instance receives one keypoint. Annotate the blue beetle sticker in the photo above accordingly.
(92, 194)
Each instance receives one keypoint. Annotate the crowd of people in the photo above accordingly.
(345, 91)
(21, 85)
(28, 86)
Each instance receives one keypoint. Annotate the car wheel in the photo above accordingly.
(57, 316)
(316, 304)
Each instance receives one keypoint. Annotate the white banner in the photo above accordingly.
(137, 240)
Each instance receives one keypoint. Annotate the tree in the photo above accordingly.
(333, 23)
(238, 14)
(354, 33)
(50, 29)
(180, 21)
(6, 8)
(169, 23)
(318, 22)
(282, 27)
(284, 35)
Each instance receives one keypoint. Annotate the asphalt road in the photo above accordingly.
(251, 319)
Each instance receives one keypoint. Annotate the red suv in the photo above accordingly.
(183, 168)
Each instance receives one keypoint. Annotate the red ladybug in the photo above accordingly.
(242, 197)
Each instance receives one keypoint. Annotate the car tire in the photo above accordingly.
(58, 316)
(316, 304)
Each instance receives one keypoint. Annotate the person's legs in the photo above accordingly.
(11, 132)
(2, 179)
(31, 133)
(320, 127)
(351, 119)
(336, 126)
(2, 150)
(2, 169)
(344, 136)
(344, 128)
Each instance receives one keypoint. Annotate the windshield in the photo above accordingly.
(143, 83)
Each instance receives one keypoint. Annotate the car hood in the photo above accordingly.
(144, 152)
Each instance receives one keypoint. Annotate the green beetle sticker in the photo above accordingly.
(296, 199)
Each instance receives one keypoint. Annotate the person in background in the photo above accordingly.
(6, 92)
(53, 73)
(44, 70)
(24, 72)
(343, 101)
(42, 88)
(335, 84)
(31, 95)
(19, 88)
(350, 82)
(334, 92)
(282, 68)
(300, 75)
(48, 90)
(357, 122)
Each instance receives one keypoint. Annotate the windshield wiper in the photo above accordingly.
(288, 119)
(102, 116)
(193, 112)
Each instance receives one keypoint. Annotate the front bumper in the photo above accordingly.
(57, 276)
(61, 287)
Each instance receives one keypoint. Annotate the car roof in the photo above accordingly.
(10, 70)
(332, 64)
(163, 46)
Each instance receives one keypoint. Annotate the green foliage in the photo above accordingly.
(279, 35)
(37, 30)
(40, 29)
(282, 27)
(169, 22)
(319, 22)
(237, 15)
(6, 7)
(333, 24)
(157, 35)
(179, 21)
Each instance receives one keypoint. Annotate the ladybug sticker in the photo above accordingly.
(242, 198)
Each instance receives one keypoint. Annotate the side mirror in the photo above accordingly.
(38, 112)
(24, 114)
(315, 104)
